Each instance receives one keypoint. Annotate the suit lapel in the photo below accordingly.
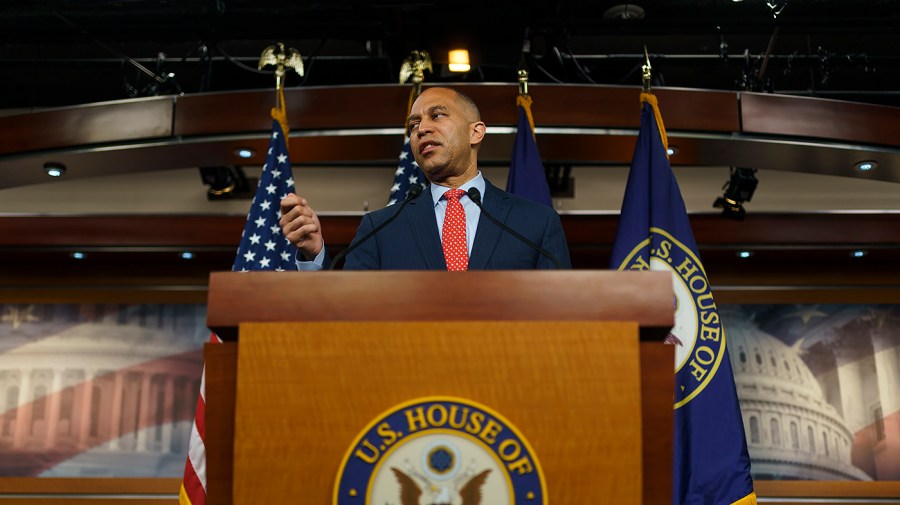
(487, 234)
(424, 229)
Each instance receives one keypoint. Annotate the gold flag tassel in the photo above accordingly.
(750, 499)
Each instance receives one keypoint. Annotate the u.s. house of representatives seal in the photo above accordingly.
(698, 334)
(439, 451)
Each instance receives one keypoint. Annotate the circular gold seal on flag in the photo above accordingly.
(698, 334)
(439, 450)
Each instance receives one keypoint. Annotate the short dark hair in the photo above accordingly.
(473, 107)
(465, 99)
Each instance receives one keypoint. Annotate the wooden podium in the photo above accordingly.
(321, 355)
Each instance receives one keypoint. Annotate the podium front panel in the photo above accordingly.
(305, 391)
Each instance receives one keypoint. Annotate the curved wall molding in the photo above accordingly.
(362, 125)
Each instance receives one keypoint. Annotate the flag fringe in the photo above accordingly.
(183, 498)
(750, 499)
(524, 101)
(651, 99)
(279, 113)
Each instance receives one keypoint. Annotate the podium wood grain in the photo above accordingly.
(306, 390)
(524, 295)
(642, 297)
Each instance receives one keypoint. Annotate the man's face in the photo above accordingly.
(443, 133)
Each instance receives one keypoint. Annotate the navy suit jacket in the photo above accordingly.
(412, 241)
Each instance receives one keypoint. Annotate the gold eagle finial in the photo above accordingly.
(277, 56)
(646, 71)
(415, 67)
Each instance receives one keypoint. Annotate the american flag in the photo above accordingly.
(262, 247)
(407, 174)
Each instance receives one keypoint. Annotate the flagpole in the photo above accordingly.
(526, 169)
(260, 231)
(712, 464)
(524, 99)
(648, 97)
(414, 67)
(645, 71)
(408, 172)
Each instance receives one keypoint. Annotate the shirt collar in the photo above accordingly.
(437, 191)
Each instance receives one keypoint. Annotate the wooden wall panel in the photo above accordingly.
(142, 118)
(385, 106)
(82, 490)
(803, 255)
(813, 230)
(817, 117)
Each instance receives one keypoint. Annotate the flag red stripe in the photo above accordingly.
(200, 418)
(193, 489)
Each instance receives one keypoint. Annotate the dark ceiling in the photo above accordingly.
(60, 52)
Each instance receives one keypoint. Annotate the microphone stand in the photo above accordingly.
(414, 191)
(475, 196)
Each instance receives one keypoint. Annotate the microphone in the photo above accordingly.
(475, 196)
(414, 191)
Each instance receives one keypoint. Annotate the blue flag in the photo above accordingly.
(712, 466)
(526, 171)
(407, 174)
(263, 246)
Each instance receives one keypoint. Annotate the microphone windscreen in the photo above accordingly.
(474, 194)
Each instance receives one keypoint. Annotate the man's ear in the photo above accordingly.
(476, 134)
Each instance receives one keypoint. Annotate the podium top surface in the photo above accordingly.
(571, 295)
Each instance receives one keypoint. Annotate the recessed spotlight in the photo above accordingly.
(187, 255)
(865, 166)
(244, 152)
(78, 255)
(744, 254)
(859, 253)
(672, 150)
(54, 168)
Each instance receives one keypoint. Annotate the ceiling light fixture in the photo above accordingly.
(459, 60)
(186, 255)
(866, 165)
(226, 182)
(54, 168)
(738, 189)
(78, 255)
(672, 150)
(744, 254)
(859, 253)
(624, 12)
(244, 152)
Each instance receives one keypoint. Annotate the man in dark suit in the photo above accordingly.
(442, 229)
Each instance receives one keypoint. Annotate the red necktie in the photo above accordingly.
(453, 234)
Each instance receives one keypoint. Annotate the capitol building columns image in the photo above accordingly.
(825, 407)
(100, 391)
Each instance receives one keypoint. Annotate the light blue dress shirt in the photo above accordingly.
(473, 212)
